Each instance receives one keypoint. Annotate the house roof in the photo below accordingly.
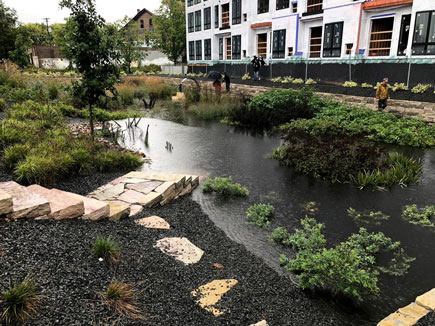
(142, 12)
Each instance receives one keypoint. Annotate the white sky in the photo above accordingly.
(33, 11)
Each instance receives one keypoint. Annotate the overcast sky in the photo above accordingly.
(33, 11)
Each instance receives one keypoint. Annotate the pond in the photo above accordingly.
(214, 149)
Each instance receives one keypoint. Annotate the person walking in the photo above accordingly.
(382, 94)
(227, 81)
(256, 63)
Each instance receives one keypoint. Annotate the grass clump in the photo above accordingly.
(420, 216)
(260, 214)
(107, 249)
(351, 267)
(123, 298)
(19, 301)
(225, 187)
(367, 217)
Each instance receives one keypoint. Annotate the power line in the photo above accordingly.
(48, 29)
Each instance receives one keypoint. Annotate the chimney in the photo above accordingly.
(138, 11)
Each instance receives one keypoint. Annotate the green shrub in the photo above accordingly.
(224, 187)
(109, 160)
(350, 84)
(2, 105)
(277, 79)
(365, 85)
(14, 154)
(399, 87)
(209, 111)
(351, 267)
(420, 216)
(298, 81)
(106, 249)
(260, 214)
(367, 217)
(275, 107)
(19, 301)
(246, 77)
(420, 88)
(310, 81)
(280, 236)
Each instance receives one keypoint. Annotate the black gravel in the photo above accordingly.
(429, 320)
(58, 255)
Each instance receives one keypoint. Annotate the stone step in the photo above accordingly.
(181, 249)
(118, 211)
(26, 204)
(210, 294)
(6, 203)
(63, 205)
(94, 209)
(178, 179)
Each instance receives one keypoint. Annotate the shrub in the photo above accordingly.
(19, 301)
(287, 80)
(14, 154)
(351, 267)
(126, 93)
(399, 87)
(110, 160)
(209, 111)
(298, 81)
(310, 81)
(365, 85)
(246, 77)
(420, 216)
(123, 298)
(277, 79)
(275, 107)
(2, 105)
(260, 214)
(106, 249)
(280, 236)
(420, 88)
(224, 187)
(367, 217)
(350, 84)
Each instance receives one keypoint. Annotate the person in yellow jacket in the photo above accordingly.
(382, 94)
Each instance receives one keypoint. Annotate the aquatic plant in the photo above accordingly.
(351, 267)
(260, 214)
(225, 187)
(423, 216)
(367, 217)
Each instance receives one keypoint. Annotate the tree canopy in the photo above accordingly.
(8, 21)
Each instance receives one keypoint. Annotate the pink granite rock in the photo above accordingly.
(94, 209)
(131, 196)
(144, 187)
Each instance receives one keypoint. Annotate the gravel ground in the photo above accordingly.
(429, 320)
(69, 278)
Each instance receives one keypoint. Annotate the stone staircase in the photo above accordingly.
(121, 198)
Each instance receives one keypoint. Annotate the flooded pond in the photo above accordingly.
(214, 149)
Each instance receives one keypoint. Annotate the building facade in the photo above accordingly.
(313, 31)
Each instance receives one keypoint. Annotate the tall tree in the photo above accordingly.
(131, 43)
(19, 54)
(93, 48)
(169, 33)
(8, 21)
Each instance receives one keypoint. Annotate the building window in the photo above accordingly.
(190, 24)
(245, 17)
(191, 50)
(221, 49)
(294, 7)
(189, 3)
(380, 37)
(316, 42)
(228, 45)
(282, 4)
(424, 34)
(207, 49)
(197, 20)
(237, 47)
(216, 16)
(332, 40)
(207, 18)
(349, 48)
(314, 6)
(225, 16)
(404, 34)
(197, 1)
(263, 6)
(262, 45)
(237, 12)
(142, 24)
(151, 22)
(278, 44)
(198, 46)
(290, 51)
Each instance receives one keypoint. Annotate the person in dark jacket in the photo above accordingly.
(257, 62)
(227, 81)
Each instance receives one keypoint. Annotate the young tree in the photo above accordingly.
(62, 33)
(8, 21)
(93, 49)
(130, 43)
(19, 54)
(169, 33)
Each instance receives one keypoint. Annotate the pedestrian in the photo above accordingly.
(256, 63)
(217, 86)
(382, 94)
(227, 81)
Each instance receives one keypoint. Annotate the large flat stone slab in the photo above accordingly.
(108, 192)
(6, 203)
(150, 200)
(118, 211)
(208, 295)
(131, 197)
(94, 209)
(406, 316)
(153, 222)
(178, 179)
(181, 249)
(135, 210)
(166, 188)
(427, 300)
(63, 205)
(144, 187)
(26, 204)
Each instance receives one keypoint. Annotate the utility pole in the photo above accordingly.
(48, 29)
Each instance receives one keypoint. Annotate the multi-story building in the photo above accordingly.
(321, 31)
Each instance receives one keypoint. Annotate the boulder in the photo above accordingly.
(6, 203)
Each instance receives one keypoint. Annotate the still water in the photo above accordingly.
(212, 149)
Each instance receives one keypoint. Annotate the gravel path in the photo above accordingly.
(69, 277)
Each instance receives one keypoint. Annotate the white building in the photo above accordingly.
(285, 31)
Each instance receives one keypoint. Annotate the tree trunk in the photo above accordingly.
(91, 121)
